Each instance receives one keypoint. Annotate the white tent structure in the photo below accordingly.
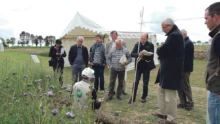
(1, 46)
(82, 26)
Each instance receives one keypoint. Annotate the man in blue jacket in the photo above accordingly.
(185, 92)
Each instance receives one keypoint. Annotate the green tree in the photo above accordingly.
(199, 42)
(36, 40)
(22, 38)
(8, 41)
(12, 41)
(40, 39)
(47, 43)
(32, 39)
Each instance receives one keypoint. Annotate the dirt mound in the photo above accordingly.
(200, 55)
(103, 117)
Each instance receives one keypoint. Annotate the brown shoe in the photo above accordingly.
(159, 115)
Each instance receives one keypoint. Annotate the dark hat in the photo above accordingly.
(58, 41)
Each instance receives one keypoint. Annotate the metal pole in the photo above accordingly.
(137, 60)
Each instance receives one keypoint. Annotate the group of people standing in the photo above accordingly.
(176, 57)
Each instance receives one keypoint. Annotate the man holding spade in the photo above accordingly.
(144, 63)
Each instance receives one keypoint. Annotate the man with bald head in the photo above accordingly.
(185, 92)
(117, 68)
(171, 56)
(109, 46)
(144, 65)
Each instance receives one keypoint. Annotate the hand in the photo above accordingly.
(100, 100)
(103, 64)
(58, 54)
(91, 63)
(123, 63)
(140, 55)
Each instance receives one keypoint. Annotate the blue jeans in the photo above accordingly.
(99, 76)
(214, 108)
(146, 75)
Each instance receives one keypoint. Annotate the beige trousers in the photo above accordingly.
(167, 103)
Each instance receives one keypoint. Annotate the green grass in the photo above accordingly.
(137, 111)
(22, 95)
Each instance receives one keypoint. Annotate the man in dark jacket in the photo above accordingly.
(171, 56)
(145, 63)
(78, 58)
(98, 62)
(185, 92)
(212, 79)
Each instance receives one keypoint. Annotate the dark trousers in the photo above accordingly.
(113, 76)
(185, 92)
(99, 76)
(77, 72)
(146, 75)
(58, 70)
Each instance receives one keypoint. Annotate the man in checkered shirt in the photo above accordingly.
(117, 67)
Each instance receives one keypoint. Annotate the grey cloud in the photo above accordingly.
(6, 33)
(157, 17)
(3, 21)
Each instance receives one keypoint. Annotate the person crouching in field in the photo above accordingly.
(57, 53)
(82, 90)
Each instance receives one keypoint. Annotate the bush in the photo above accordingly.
(46, 54)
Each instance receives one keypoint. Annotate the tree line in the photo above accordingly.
(25, 38)
(194, 42)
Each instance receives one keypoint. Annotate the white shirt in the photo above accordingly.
(84, 87)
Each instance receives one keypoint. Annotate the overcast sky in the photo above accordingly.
(51, 17)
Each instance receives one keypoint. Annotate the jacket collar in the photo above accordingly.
(172, 30)
(143, 44)
(214, 31)
(187, 38)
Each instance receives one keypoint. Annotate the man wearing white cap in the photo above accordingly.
(82, 89)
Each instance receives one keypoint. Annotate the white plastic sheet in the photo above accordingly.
(35, 59)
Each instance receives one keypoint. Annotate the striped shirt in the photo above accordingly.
(114, 57)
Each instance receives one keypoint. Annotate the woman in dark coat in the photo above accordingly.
(57, 53)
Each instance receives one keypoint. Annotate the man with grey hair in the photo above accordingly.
(78, 58)
(171, 56)
(185, 92)
(109, 46)
(117, 67)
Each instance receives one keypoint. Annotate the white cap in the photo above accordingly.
(88, 72)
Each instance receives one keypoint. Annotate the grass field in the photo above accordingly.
(138, 111)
